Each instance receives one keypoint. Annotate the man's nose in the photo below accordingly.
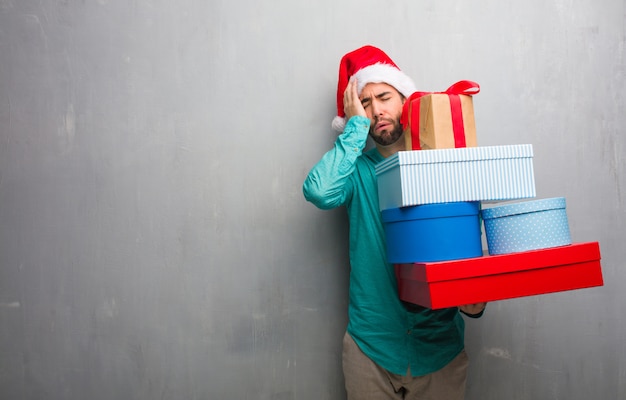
(376, 109)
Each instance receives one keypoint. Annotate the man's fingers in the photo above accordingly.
(351, 102)
(355, 94)
(350, 94)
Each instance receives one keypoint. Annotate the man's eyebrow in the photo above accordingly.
(378, 96)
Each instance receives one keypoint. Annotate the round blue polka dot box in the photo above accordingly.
(529, 225)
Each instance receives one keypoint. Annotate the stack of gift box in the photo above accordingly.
(436, 198)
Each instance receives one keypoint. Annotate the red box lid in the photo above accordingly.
(499, 264)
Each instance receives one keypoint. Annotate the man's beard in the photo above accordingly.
(389, 137)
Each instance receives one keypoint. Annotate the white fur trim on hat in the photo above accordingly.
(385, 73)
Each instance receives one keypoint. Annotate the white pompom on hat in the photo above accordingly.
(368, 64)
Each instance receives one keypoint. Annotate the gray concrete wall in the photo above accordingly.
(154, 241)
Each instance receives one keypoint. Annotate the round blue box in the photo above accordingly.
(529, 225)
(433, 232)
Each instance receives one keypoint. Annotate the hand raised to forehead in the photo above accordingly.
(351, 103)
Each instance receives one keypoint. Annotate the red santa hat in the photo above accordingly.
(368, 65)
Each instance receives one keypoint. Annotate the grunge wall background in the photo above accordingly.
(154, 240)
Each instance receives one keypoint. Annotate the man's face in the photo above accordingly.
(383, 106)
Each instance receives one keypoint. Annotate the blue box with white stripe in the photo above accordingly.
(489, 173)
(433, 232)
(525, 226)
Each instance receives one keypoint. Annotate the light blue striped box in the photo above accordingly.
(525, 226)
(489, 173)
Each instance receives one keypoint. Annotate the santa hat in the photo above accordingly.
(368, 65)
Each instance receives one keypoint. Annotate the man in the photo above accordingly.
(390, 351)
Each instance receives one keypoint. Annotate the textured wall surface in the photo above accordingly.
(154, 241)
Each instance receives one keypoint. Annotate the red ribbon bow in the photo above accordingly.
(467, 88)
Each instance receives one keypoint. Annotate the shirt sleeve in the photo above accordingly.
(328, 183)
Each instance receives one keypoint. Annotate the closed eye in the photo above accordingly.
(384, 96)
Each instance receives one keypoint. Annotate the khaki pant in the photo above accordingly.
(367, 381)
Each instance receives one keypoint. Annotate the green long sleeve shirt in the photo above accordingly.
(389, 334)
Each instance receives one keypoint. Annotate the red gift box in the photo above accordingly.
(474, 280)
